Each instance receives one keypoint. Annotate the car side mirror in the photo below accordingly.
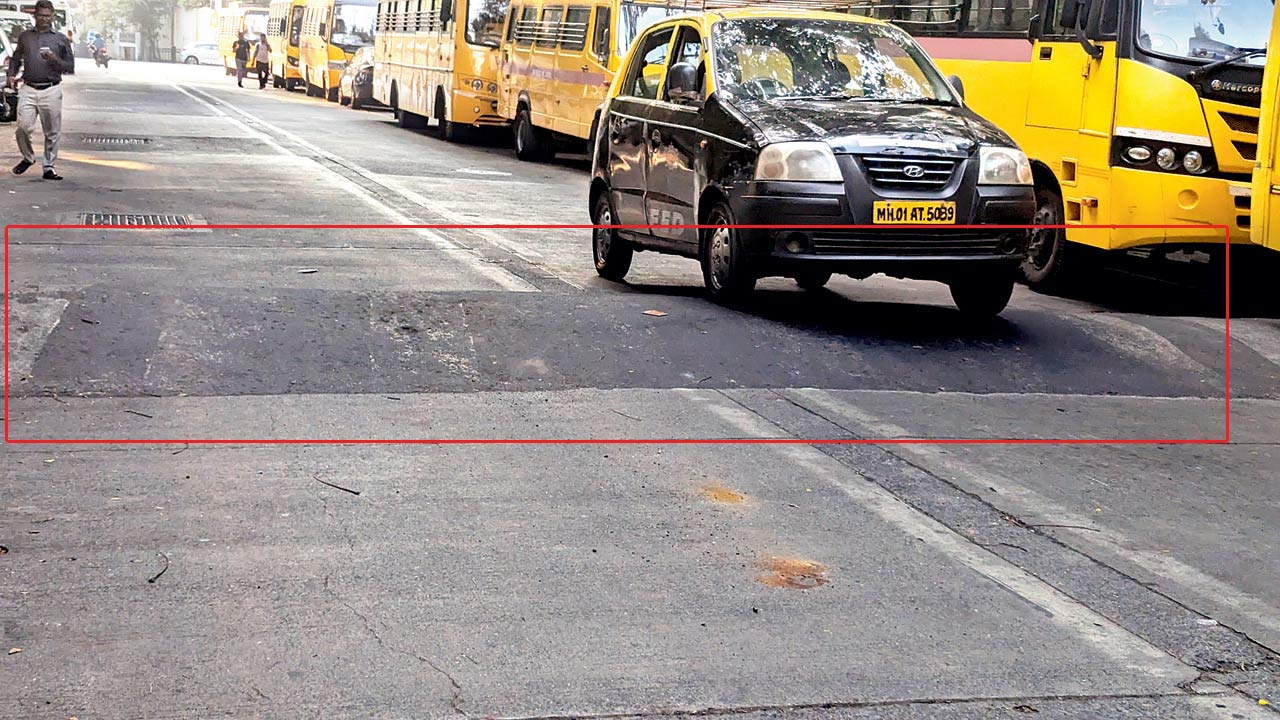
(682, 84)
(958, 84)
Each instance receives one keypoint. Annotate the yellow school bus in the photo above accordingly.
(438, 59)
(231, 20)
(1266, 173)
(284, 31)
(558, 58)
(1134, 112)
(332, 32)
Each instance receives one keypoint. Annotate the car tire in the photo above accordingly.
(343, 100)
(612, 254)
(531, 143)
(192, 60)
(1051, 259)
(983, 295)
(813, 279)
(726, 269)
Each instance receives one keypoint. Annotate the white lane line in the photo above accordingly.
(30, 325)
(1139, 342)
(1072, 615)
(452, 218)
(503, 279)
(1013, 496)
(1257, 335)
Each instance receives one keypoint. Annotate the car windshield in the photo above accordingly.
(635, 18)
(1205, 29)
(796, 58)
(353, 26)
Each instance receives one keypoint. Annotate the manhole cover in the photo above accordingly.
(145, 219)
(115, 140)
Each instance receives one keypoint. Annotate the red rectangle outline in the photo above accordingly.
(1225, 439)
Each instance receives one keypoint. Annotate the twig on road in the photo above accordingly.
(629, 417)
(1055, 525)
(184, 449)
(135, 412)
(336, 487)
(91, 322)
(156, 577)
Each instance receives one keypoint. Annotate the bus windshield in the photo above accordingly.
(255, 24)
(785, 58)
(1205, 29)
(484, 21)
(635, 18)
(353, 26)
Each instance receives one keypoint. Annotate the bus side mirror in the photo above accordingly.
(682, 84)
(1071, 11)
(1033, 29)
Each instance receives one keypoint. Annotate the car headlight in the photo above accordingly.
(807, 161)
(1003, 166)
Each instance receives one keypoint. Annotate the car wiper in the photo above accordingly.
(821, 97)
(1244, 53)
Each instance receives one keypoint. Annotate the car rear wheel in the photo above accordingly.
(726, 270)
(983, 295)
(813, 280)
(612, 253)
(356, 103)
(192, 60)
(343, 100)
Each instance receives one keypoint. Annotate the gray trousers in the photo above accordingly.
(44, 106)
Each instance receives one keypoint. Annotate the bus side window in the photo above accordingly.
(528, 26)
(513, 17)
(549, 28)
(1053, 28)
(573, 34)
(600, 36)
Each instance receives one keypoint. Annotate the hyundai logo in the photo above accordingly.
(913, 171)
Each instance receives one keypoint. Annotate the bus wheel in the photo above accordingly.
(312, 90)
(331, 94)
(531, 144)
(291, 84)
(409, 121)
(1048, 255)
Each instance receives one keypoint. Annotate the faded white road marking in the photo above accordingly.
(30, 324)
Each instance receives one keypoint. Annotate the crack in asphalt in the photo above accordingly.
(455, 701)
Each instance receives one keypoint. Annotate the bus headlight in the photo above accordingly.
(1138, 153)
(1167, 159)
(1003, 166)
(806, 161)
(1193, 162)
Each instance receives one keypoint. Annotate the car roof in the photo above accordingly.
(761, 11)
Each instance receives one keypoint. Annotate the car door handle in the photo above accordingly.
(1046, 52)
(584, 68)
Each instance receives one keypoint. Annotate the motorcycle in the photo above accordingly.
(8, 104)
(102, 57)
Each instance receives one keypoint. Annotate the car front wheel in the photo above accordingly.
(726, 270)
(983, 295)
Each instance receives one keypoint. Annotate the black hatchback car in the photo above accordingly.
(839, 128)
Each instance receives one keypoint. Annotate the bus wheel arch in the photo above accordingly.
(1050, 258)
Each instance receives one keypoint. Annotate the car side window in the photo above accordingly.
(689, 50)
(649, 65)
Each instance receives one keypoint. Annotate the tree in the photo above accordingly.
(146, 17)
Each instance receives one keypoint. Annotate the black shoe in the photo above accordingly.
(51, 175)
(21, 167)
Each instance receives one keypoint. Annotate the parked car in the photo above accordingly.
(355, 87)
(201, 54)
(804, 118)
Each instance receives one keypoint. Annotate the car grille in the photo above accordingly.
(907, 242)
(891, 172)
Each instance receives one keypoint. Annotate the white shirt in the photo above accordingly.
(264, 51)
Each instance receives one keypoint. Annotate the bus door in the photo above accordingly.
(595, 67)
(1265, 205)
(1058, 67)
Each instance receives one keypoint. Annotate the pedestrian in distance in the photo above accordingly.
(263, 58)
(41, 58)
(241, 49)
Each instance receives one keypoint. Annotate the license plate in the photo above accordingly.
(892, 212)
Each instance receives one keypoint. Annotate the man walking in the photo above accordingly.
(41, 58)
(263, 58)
(241, 49)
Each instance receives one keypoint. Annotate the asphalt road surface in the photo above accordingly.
(598, 579)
